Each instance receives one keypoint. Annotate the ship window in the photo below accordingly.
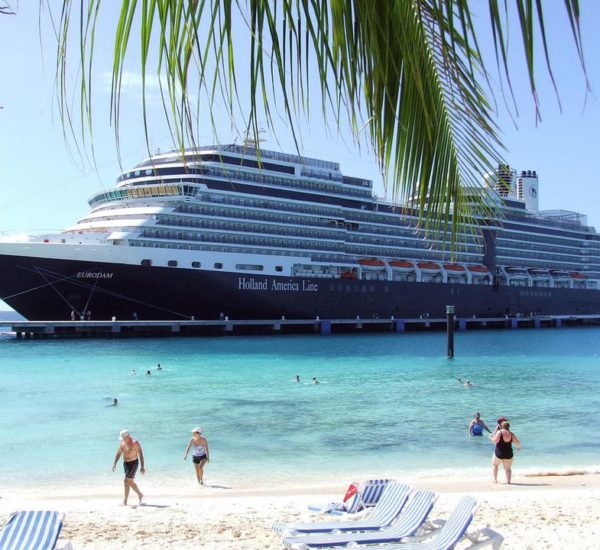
(172, 263)
(278, 268)
(218, 265)
(146, 262)
(249, 267)
(195, 264)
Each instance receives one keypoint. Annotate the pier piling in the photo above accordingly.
(450, 331)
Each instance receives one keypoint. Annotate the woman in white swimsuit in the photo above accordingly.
(199, 447)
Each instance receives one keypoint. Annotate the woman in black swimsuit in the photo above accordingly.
(503, 453)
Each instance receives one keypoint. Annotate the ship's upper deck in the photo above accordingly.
(238, 150)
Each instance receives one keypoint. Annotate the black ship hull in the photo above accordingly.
(51, 289)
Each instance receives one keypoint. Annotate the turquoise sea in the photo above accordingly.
(386, 404)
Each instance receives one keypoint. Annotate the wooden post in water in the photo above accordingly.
(450, 331)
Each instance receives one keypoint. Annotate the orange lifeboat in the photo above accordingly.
(429, 266)
(577, 275)
(478, 269)
(401, 264)
(454, 267)
(373, 263)
(349, 274)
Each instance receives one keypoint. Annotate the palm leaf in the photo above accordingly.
(410, 71)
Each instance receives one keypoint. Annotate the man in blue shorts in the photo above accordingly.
(132, 458)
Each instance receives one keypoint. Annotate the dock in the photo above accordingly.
(25, 330)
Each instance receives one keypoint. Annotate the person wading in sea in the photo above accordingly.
(132, 458)
(477, 426)
(199, 453)
(503, 453)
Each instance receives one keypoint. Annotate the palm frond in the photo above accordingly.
(410, 71)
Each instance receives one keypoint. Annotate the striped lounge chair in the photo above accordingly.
(409, 522)
(452, 531)
(31, 530)
(367, 494)
(390, 504)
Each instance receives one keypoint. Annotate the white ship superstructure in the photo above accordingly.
(243, 222)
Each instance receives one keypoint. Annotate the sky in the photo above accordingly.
(45, 188)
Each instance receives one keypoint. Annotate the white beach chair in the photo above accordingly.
(452, 531)
(381, 515)
(366, 495)
(409, 522)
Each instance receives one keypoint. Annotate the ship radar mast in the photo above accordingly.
(253, 140)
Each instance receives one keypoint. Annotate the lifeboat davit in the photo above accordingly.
(454, 267)
(429, 267)
(372, 263)
(402, 265)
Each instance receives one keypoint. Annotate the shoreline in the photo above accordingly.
(278, 483)
(550, 511)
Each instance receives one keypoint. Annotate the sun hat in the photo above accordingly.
(123, 434)
(197, 429)
(502, 419)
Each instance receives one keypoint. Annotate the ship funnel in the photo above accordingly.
(527, 190)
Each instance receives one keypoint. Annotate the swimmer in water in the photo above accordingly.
(297, 378)
(477, 426)
(148, 373)
(115, 402)
(468, 383)
(133, 371)
(314, 380)
(158, 367)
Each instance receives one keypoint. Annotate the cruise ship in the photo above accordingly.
(245, 233)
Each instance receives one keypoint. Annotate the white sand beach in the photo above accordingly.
(535, 512)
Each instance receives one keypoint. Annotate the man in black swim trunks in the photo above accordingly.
(132, 458)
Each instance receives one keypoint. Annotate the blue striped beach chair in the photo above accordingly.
(367, 495)
(390, 504)
(409, 521)
(452, 531)
(31, 530)
(370, 491)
